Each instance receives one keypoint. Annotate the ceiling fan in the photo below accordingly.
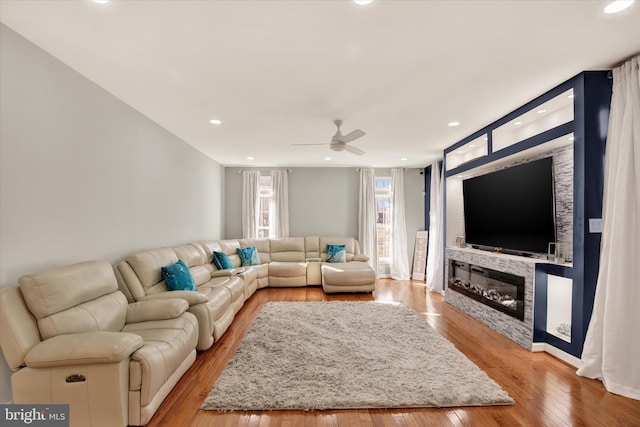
(340, 142)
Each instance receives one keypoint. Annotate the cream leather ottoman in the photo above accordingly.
(354, 276)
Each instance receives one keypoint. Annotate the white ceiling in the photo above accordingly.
(279, 72)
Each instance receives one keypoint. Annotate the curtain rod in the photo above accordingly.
(406, 169)
(270, 170)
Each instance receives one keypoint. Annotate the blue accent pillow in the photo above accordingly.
(222, 261)
(248, 256)
(336, 253)
(178, 277)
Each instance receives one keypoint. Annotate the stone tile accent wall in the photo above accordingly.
(563, 173)
(520, 331)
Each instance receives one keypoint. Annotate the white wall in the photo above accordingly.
(324, 202)
(84, 176)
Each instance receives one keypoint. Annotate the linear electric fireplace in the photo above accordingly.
(499, 290)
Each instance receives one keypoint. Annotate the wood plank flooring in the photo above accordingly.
(547, 391)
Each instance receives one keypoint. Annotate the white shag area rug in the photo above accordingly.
(348, 355)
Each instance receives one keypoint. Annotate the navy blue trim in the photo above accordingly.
(466, 140)
(540, 304)
(541, 138)
(427, 196)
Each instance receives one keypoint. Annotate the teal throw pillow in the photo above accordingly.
(248, 256)
(222, 261)
(336, 253)
(178, 277)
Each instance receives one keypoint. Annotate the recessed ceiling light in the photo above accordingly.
(472, 145)
(249, 158)
(617, 6)
(403, 159)
(542, 111)
(215, 121)
(517, 123)
(327, 158)
(100, 1)
(362, 2)
(453, 124)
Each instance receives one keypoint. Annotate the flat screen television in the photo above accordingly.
(512, 209)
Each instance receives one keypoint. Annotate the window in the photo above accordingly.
(383, 218)
(264, 207)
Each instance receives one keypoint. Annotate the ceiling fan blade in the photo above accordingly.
(351, 136)
(354, 150)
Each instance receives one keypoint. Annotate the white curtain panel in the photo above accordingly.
(435, 256)
(279, 214)
(367, 217)
(399, 267)
(250, 201)
(612, 346)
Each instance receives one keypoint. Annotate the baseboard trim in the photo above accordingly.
(547, 348)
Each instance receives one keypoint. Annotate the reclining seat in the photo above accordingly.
(206, 281)
(248, 274)
(288, 266)
(72, 338)
(263, 246)
(140, 279)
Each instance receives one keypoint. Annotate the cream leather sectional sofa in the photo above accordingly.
(112, 341)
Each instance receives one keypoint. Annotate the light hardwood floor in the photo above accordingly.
(547, 392)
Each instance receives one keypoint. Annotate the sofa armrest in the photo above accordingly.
(162, 309)
(88, 348)
(228, 272)
(223, 273)
(313, 260)
(191, 297)
(360, 257)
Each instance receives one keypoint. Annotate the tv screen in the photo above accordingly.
(512, 209)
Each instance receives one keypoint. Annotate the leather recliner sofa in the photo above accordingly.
(72, 338)
(215, 303)
(286, 262)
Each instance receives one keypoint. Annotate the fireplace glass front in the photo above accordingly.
(496, 289)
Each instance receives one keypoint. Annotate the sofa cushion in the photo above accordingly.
(289, 249)
(178, 277)
(248, 256)
(52, 291)
(221, 260)
(287, 269)
(336, 253)
(167, 343)
(192, 255)
(234, 284)
(146, 264)
(107, 313)
(263, 247)
(77, 298)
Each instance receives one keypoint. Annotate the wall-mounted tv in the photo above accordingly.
(512, 209)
